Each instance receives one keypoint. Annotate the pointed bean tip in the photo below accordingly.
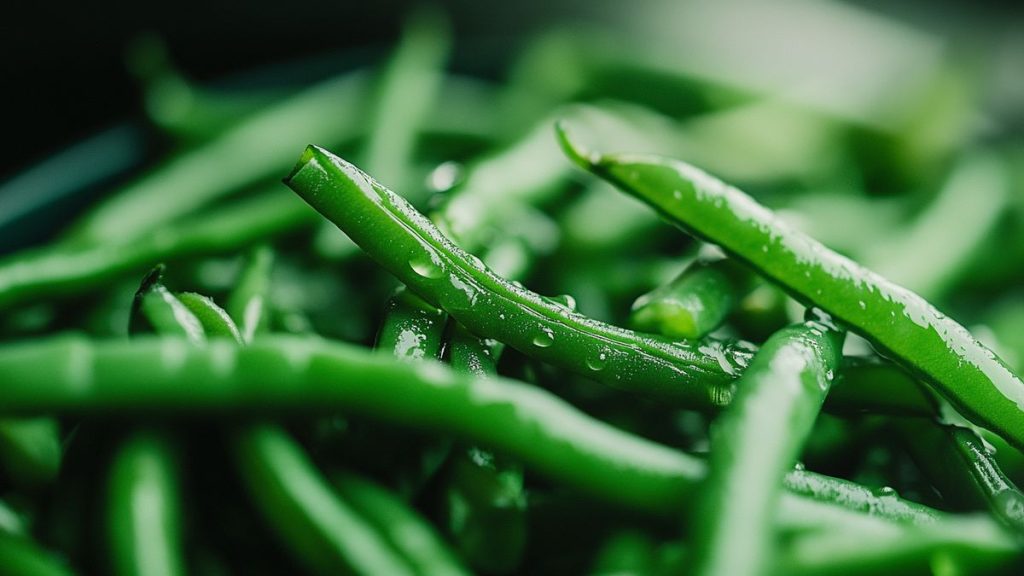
(577, 152)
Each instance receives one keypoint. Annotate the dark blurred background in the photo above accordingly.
(64, 63)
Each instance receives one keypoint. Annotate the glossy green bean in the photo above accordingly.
(883, 503)
(963, 468)
(215, 321)
(248, 302)
(963, 546)
(412, 329)
(407, 245)
(755, 441)
(695, 302)
(62, 271)
(156, 309)
(282, 374)
(258, 148)
(408, 532)
(912, 331)
(143, 508)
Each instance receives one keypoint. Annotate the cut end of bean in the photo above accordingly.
(307, 155)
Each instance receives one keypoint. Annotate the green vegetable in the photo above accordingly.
(909, 329)
(694, 303)
(144, 508)
(755, 442)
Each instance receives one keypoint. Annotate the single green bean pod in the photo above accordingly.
(695, 302)
(143, 510)
(910, 330)
(755, 442)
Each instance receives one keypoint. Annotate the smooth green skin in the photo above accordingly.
(410, 247)
(408, 532)
(412, 329)
(248, 301)
(966, 545)
(20, 556)
(285, 374)
(30, 451)
(67, 271)
(625, 553)
(484, 497)
(964, 470)
(143, 504)
(912, 331)
(215, 321)
(156, 310)
(256, 149)
(755, 442)
(852, 496)
(323, 532)
(694, 303)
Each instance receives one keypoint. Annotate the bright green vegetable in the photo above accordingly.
(755, 442)
(299, 374)
(144, 508)
(66, 270)
(694, 303)
(912, 331)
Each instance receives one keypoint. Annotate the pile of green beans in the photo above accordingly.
(479, 349)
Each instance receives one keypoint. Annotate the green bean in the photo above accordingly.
(248, 301)
(963, 468)
(215, 321)
(11, 522)
(323, 532)
(911, 331)
(282, 374)
(63, 271)
(625, 554)
(961, 546)
(405, 530)
(30, 451)
(251, 151)
(407, 245)
(412, 329)
(155, 309)
(19, 556)
(883, 503)
(756, 441)
(144, 500)
(695, 302)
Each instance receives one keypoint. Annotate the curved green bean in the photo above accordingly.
(962, 467)
(247, 304)
(755, 441)
(283, 374)
(412, 329)
(912, 331)
(444, 275)
(405, 530)
(63, 270)
(143, 517)
(695, 302)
